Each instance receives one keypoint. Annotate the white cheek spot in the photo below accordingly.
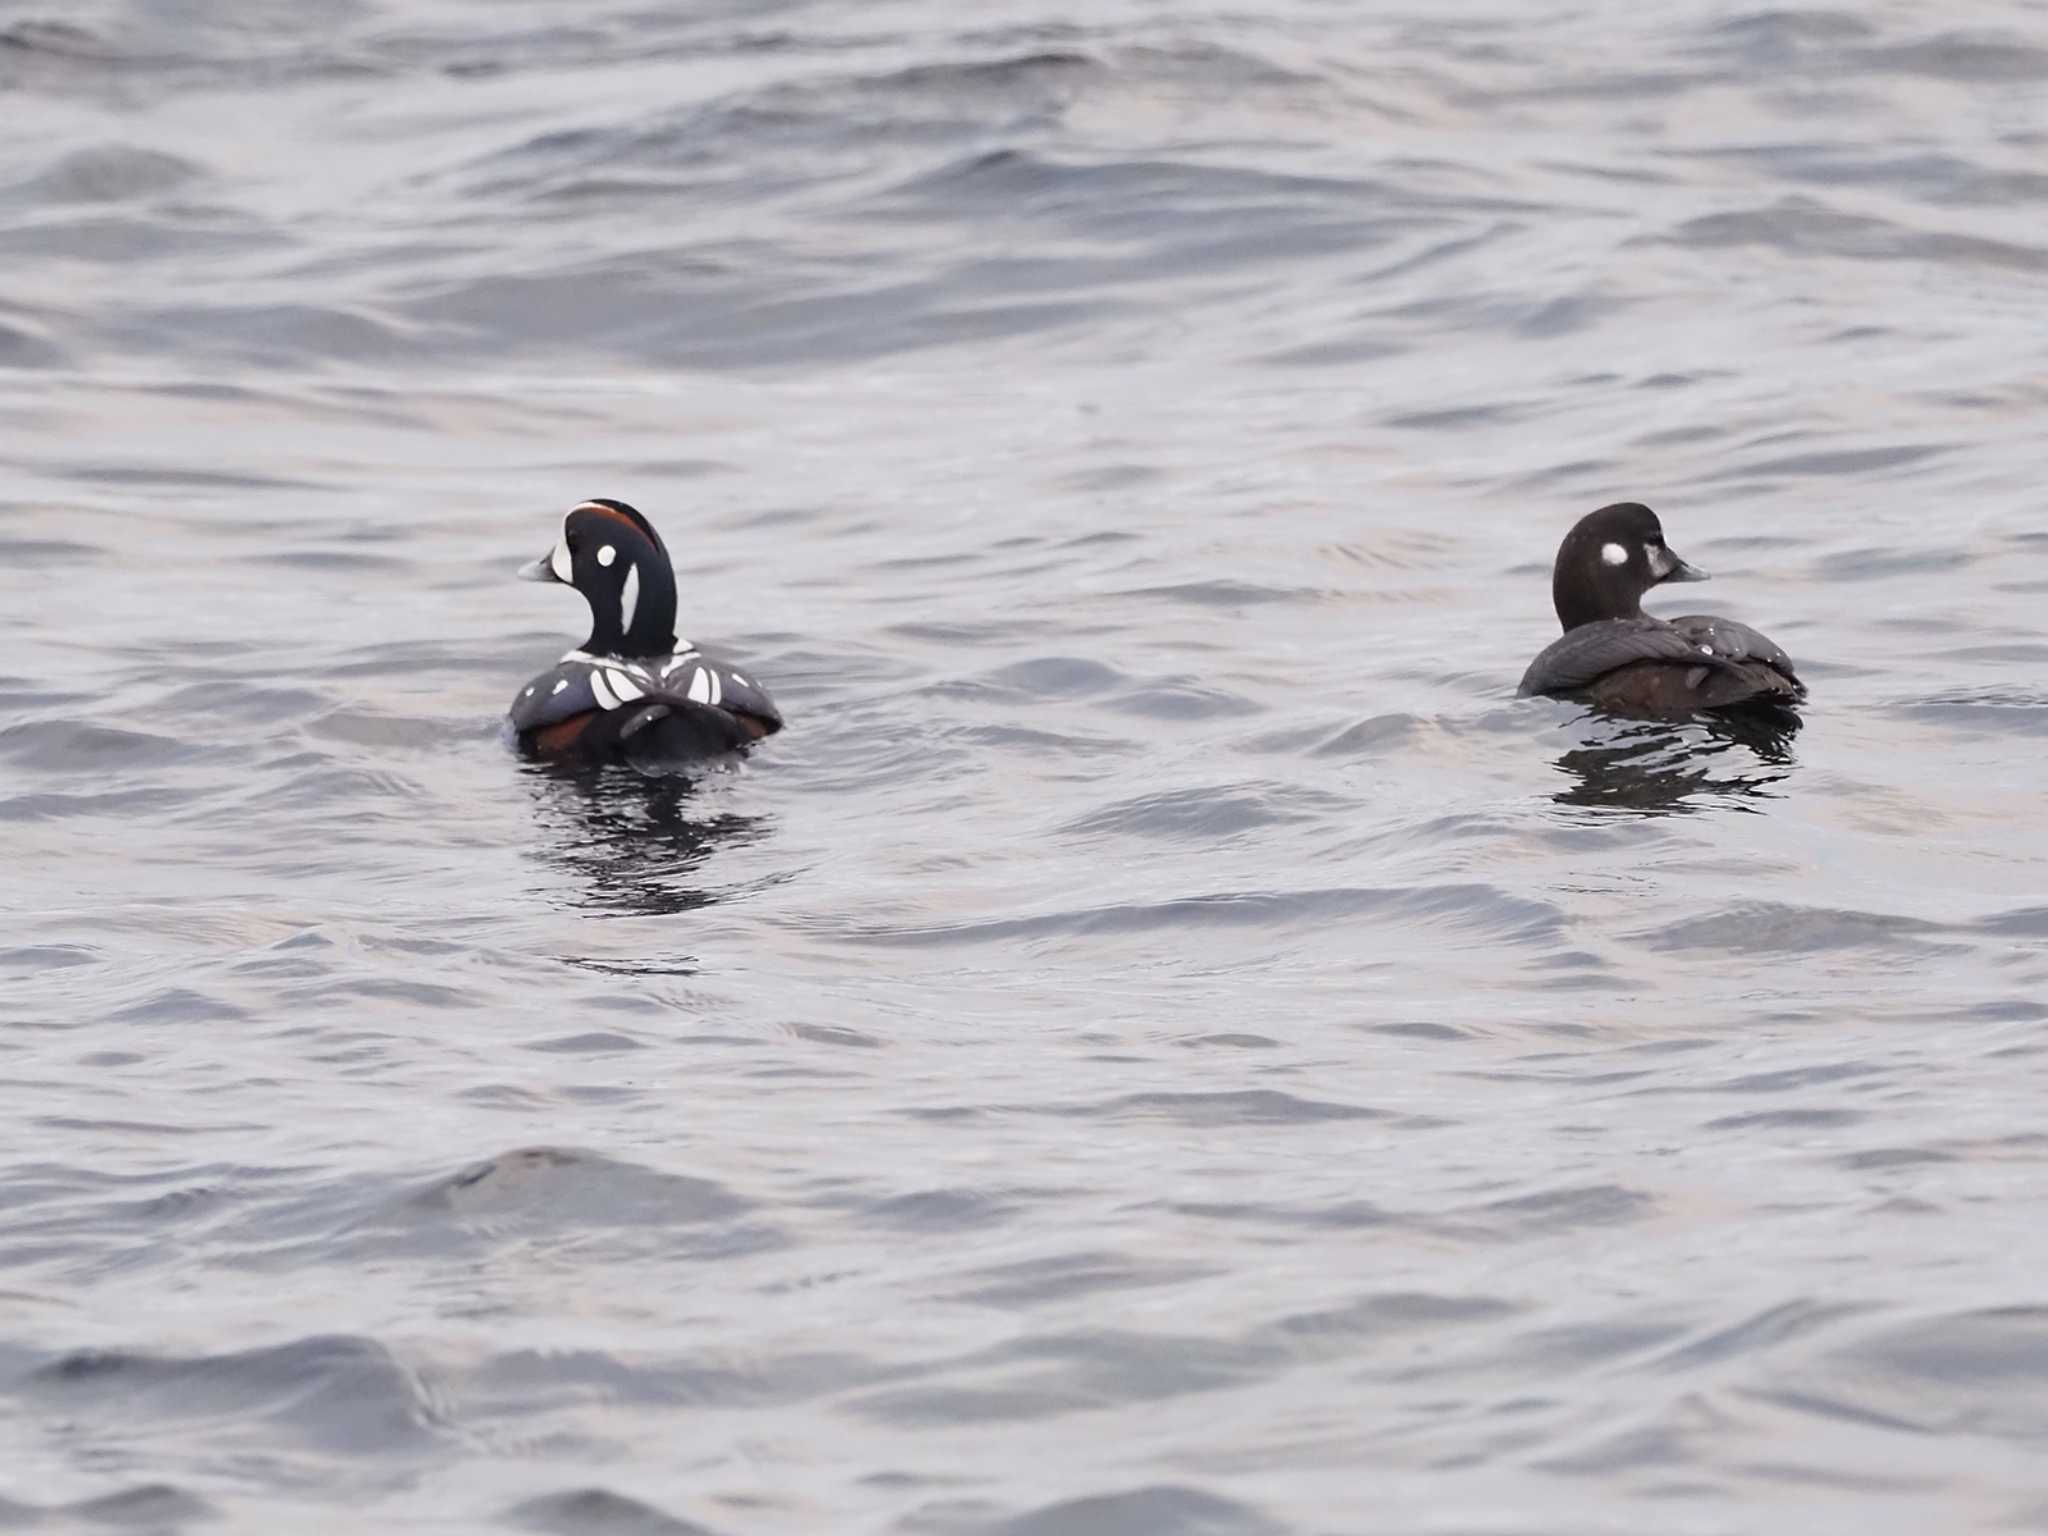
(560, 563)
(1614, 554)
(560, 684)
(607, 555)
(629, 596)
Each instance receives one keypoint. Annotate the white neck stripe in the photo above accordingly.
(629, 597)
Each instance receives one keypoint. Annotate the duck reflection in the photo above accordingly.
(632, 844)
(1666, 768)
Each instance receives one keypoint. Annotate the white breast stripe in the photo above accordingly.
(624, 686)
(617, 663)
(629, 598)
(700, 686)
(605, 697)
(717, 692)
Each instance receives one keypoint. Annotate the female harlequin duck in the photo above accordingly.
(1619, 658)
(632, 690)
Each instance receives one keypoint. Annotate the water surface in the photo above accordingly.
(1165, 1043)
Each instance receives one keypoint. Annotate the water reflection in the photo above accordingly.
(632, 844)
(1665, 768)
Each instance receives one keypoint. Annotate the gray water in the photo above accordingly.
(1165, 1042)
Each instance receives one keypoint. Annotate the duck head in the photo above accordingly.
(1609, 560)
(613, 556)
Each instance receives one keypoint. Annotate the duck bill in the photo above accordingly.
(1669, 565)
(552, 566)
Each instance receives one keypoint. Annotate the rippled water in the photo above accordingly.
(1165, 1043)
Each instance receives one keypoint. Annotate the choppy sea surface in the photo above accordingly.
(1165, 1043)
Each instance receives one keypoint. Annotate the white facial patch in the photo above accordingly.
(1662, 562)
(629, 595)
(607, 555)
(1614, 554)
(560, 563)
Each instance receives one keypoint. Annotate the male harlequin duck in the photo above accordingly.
(1619, 658)
(632, 690)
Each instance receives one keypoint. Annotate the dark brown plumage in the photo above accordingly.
(1620, 659)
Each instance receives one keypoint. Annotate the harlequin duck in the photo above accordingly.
(632, 690)
(1619, 658)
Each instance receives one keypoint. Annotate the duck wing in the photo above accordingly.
(1737, 643)
(561, 693)
(707, 680)
(1580, 656)
(588, 706)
